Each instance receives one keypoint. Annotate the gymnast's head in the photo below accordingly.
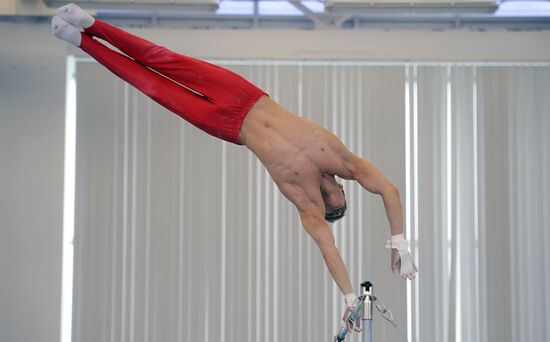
(334, 197)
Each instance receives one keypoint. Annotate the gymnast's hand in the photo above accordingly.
(401, 259)
(355, 327)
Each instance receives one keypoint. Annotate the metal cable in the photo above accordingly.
(387, 315)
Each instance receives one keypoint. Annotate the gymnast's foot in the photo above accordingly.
(63, 30)
(75, 16)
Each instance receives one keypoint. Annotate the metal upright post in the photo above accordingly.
(366, 324)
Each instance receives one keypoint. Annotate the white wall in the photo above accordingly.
(32, 74)
(350, 44)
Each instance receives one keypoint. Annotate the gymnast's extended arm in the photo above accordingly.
(374, 181)
(312, 213)
(316, 226)
(314, 223)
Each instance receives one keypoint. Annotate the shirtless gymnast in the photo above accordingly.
(302, 157)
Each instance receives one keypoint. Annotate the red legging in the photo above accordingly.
(226, 97)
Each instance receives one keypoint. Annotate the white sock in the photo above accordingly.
(66, 31)
(75, 16)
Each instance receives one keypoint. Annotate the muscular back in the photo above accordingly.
(300, 157)
(295, 151)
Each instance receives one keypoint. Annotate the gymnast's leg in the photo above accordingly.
(174, 97)
(225, 96)
(207, 79)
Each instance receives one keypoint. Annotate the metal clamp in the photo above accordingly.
(362, 308)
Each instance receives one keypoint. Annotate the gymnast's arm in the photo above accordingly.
(374, 181)
(312, 213)
(319, 230)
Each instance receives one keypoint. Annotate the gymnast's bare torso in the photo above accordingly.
(301, 156)
(303, 159)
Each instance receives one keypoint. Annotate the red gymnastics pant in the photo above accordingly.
(226, 97)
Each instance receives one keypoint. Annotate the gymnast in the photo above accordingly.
(302, 157)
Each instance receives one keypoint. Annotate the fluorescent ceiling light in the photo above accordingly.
(524, 8)
(235, 7)
(278, 8)
(267, 7)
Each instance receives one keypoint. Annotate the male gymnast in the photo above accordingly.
(302, 157)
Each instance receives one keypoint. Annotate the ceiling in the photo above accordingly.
(307, 14)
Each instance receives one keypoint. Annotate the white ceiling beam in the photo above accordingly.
(317, 20)
(412, 7)
(160, 5)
